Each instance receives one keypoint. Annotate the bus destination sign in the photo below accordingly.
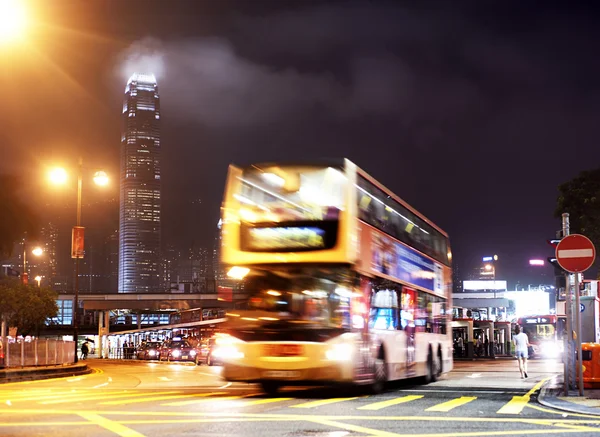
(288, 238)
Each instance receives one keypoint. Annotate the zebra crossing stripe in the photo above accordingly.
(265, 401)
(156, 398)
(389, 403)
(200, 401)
(450, 405)
(320, 402)
(100, 396)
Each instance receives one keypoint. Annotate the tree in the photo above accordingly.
(17, 217)
(26, 307)
(580, 197)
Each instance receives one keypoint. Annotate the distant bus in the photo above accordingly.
(347, 283)
(543, 332)
(196, 315)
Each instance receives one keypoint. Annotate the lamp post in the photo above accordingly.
(59, 176)
(37, 251)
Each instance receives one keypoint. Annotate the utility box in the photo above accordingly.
(589, 312)
(591, 365)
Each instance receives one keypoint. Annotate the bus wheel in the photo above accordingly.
(432, 368)
(379, 373)
(270, 387)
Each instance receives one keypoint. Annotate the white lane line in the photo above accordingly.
(226, 385)
(101, 385)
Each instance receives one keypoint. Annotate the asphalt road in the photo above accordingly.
(152, 399)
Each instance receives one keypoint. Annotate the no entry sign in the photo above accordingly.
(575, 253)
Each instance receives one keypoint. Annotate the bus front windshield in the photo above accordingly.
(540, 332)
(309, 297)
(291, 193)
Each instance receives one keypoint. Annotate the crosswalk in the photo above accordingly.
(426, 402)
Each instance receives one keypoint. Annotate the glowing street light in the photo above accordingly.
(101, 178)
(58, 175)
(13, 20)
(38, 251)
(38, 279)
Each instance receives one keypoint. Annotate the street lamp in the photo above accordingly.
(59, 176)
(37, 251)
(13, 20)
(38, 279)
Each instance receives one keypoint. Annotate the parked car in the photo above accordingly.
(177, 350)
(148, 350)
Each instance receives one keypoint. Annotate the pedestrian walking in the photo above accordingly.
(84, 350)
(461, 347)
(521, 345)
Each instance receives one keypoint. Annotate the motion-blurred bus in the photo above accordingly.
(544, 333)
(346, 282)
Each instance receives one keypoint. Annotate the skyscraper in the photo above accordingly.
(139, 226)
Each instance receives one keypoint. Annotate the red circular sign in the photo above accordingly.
(575, 253)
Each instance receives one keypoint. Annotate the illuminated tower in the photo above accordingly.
(139, 227)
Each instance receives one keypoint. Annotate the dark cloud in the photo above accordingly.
(472, 111)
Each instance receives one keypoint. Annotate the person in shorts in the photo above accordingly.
(521, 345)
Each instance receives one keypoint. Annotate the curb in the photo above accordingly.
(34, 374)
(550, 400)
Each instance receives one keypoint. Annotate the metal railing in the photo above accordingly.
(36, 353)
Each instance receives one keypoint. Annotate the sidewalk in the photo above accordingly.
(19, 374)
(552, 395)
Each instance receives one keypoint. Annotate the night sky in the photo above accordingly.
(473, 112)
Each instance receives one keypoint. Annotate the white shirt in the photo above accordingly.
(521, 342)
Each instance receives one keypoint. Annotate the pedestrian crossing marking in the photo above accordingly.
(450, 405)
(515, 405)
(200, 401)
(265, 401)
(101, 395)
(389, 403)
(314, 404)
(156, 398)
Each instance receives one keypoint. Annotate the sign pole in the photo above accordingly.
(579, 362)
(568, 315)
(575, 253)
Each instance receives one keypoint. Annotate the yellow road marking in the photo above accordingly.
(115, 427)
(561, 413)
(32, 412)
(514, 406)
(100, 395)
(450, 405)
(385, 404)
(200, 401)
(577, 427)
(354, 428)
(157, 398)
(314, 404)
(517, 403)
(265, 401)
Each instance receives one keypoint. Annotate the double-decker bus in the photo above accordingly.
(346, 283)
(544, 333)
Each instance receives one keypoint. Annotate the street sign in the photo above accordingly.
(575, 253)
(581, 307)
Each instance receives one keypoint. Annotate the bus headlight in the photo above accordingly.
(192, 353)
(151, 352)
(340, 352)
(229, 351)
(176, 353)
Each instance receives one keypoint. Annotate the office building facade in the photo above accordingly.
(140, 207)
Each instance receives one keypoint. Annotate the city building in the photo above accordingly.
(140, 215)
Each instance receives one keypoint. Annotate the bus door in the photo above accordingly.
(407, 321)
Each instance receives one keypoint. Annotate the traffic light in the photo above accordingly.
(558, 270)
